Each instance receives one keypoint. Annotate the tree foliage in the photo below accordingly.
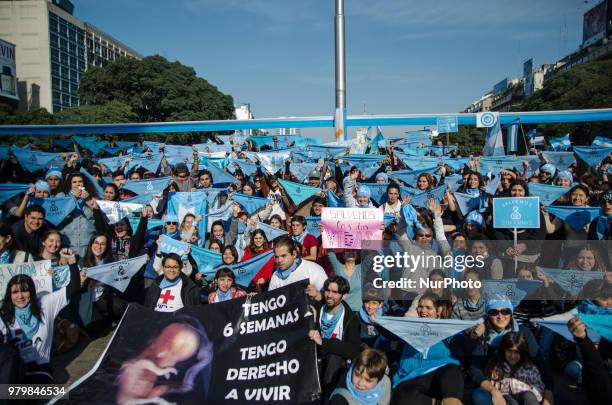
(585, 86)
(111, 112)
(156, 90)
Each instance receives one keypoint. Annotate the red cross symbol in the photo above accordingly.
(166, 296)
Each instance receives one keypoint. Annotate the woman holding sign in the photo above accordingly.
(27, 321)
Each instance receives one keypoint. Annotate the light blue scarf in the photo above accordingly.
(27, 322)
(5, 257)
(300, 238)
(165, 283)
(475, 192)
(369, 397)
(363, 314)
(494, 338)
(224, 296)
(284, 274)
(328, 326)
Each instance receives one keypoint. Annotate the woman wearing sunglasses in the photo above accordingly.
(483, 342)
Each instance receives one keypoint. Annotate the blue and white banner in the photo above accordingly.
(151, 223)
(271, 232)
(223, 213)
(496, 164)
(561, 160)
(333, 200)
(576, 217)
(493, 185)
(466, 202)
(150, 187)
(317, 152)
(454, 181)
(559, 143)
(39, 271)
(170, 245)
(10, 190)
(548, 194)
(249, 203)
(423, 333)
(112, 163)
(378, 192)
(56, 209)
(206, 260)
(602, 141)
(271, 161)
(298, 192)
(592, 155)
(149, 162)
(32, 161)
(512, 289)
(447, 124)
(115, 211)
(421, 199)
(117, 274)
(494, 142)
(364, 162)
(176, 154)
(60, 277)
(90, 143)
(247, 168)
(302, 170)
(442, 150)
(94, 182)
(245, 271)
(572, 281)
(516, 212)
(558, 324)
(312, 226)
(140, 199)
(512, 138)
(153, 146)
(422, 137)
(410, 177)
(487, 119)
(183, 203)
(221, 177)
(212, 195)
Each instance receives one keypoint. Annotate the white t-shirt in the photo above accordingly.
(392, 209)
(170, 298)
(38, 349)
(307, 270)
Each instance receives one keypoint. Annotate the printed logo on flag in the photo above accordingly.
(516, 212)
(486, 119)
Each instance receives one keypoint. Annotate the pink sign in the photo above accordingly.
(345, 228)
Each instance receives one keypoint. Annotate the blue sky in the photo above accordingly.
(403, 56)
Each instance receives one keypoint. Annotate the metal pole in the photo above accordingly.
(339, 124)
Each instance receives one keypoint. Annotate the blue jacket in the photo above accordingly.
(415, 364)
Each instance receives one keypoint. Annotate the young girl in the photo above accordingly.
(188, 229)
(513, 373)
(225, 289)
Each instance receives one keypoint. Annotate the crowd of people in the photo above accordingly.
(435, 201)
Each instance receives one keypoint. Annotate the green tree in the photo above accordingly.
(583, 87)
(156, 90)
(111, 112)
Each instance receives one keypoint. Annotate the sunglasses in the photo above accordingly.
(495, 312)
(171, 223)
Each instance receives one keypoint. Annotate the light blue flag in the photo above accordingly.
(220, 162)
(90, 143)
(423, 333)
(333, 200)
(548, 194)
(249, 203)
(170, 245)
(602, 141)
(56, 209)
(195, 203)
(10, 190)
(466, 202)
(144, 199)
(247, 168)
(60, 277)
(437, 150)
(222, 213)
(115, 211)
(176, 154)
(302, 170)
(300, 156)
(317, 152)
(493, 185)
(4, 152)
(497, 164)
(410, 177)
(302, 142)
(112, 150)
(533, 161)
(112, 163)
(211, 147)
(117, 274)
(559, 326)
(572, 281)
(494, 143)
(408, 150)
(148, 162)
(419, 137)
(389, 219)
(211, 194)
(602, 324)
(512, 289)
(150, 187)
(245, 271)
(531, 134)
(408, 191)
(561, 160)
(512, 138)
(153, 146)
(364, 162)
(126, 144)
(206, 260)
(378, 192)
(453, 181)
(221, 177)
(273, 161)
(417, 162)
(62, 143)
(312, 226)
(152, 223)
(560, 142)
(378, 141)
(298, 192)
(592, 155)
(420, 199)
(271, 232)
(457, 163)
(93, 181)
(32, 160)
(576, 217)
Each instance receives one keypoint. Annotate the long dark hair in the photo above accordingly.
(90, 260)
(510, 340)
(67, 187)
(252, 247)
(25, 283)
(233, 251)
(6, 231)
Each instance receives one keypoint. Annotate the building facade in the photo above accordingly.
(54, 49)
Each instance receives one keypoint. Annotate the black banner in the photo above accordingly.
(248, 350)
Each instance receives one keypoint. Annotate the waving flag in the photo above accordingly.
(417, 162)
(113, 150)
(271, 161)
(140, 199)
(10, 190)
(151, 223)
(170, 245)
(317, 152)
(422, 137)
(442, 150)
(176, 154)
(561, 160)
(414, 151)
(211, 195)
(333, 200)
(193, 203)
(271, 232)
(364, 162)
(378, 192)
(302, 170)
(90, 143)
(560, 142)
(602, 324)
(572, 281)
(423, 333)
(56, 209)
(150, 187)
(115, 211)
(222, 213)
(298, 192)
(247, 168)
(497, 164)
(512, 289)
(312, 226)
(602, 141)
(220, 177)
(493, 185)
(592, 155)
(466, 202)
(576, 217)
(245, 271)
(421, 199)
(558, 324)
(410, 177)
(494, 143)
(93, 181)
(117, 274)
(153, 146)
(206, 260)
(32, 160)
(62, 143)
(378, 141)
(457, 163)
(149, 162)
(453, 181)
(512, 137)
(112, 163)
(548, 194)
(249, 202)
(211, 147)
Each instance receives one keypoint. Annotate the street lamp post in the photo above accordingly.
(339, 122)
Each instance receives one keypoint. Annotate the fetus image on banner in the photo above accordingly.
(176, 362)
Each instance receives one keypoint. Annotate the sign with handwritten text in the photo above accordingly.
(347, 227)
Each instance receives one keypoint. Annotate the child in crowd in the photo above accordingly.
(225, 287)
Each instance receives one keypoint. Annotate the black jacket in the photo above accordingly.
(348, 347)
(190, 293)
